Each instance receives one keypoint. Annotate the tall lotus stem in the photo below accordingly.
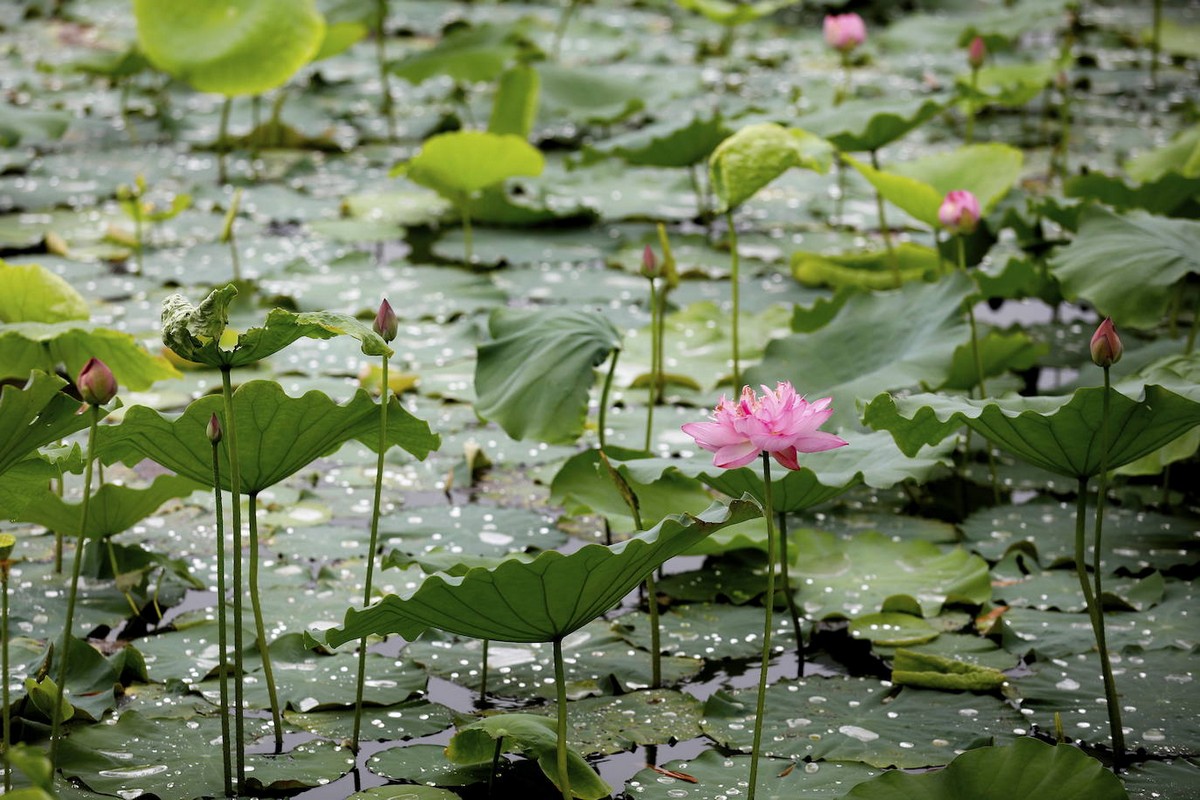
(604, 392)
(385, 86)
(260, 630)
(368, 588)
(793, 609)
(214, 432)
(650, 272)
(768, 606)
(223, 142)
(976, 53)
(7, 542)
(235, 492)
(735, 289)
(227, 232)
(847, 88)
(1155, 42)
(560, 685)
(893, 259)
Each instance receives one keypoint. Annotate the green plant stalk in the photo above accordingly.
(1096, 615)
(608, 382)
(893, 259)
(969, 134)
(735, 289)
(4, 565)
(368, 588)
(222, 625)
(654, 366)
(793, 610)
(840, 206)
(1155, 42)
(962, 265)
(72, 594)
(233, 257)
(768, 608)
(495, 765)
(655, 631)
(560, 685)
(276, 120)
(112, 564)
(1191, 339)
(137, 230)
(468, 243)
(846, 88)
(223, 145)
(260, 630)
(483, 672)
(235, 485)
(58, 535)
(1065, 145)
(560, 30)
(385, 86)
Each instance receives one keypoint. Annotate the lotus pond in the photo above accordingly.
(399, 327)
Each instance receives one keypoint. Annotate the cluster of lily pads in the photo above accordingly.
(353, 450)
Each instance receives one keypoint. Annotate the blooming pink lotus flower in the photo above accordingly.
(844, 32)
(96, 382)
(959, 212)
(976, 52)
(778, 422)
(1106, 345)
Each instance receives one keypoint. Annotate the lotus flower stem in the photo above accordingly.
(73, 592)
(7, 540)
(235, 504)
(385, 86)
(58, 535)
(768, 608)
(495, 765)
(655, 364)
(655, 631)
(1096, 615)
(468, 244)
(260, 630)
(893, 259)
(483, 672)
(223, 145)
(1155, 42)
(793, 610)
(608, 381)
(1191, 339)
(372, 547)
(962, 265)
(222, 623)
(735, 289)
(969, 133)
(560, 685)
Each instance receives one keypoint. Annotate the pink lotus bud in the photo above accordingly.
(213, 430)
(385, 321)
(844, 32)
(976, 52)
(959, 212)
(649, 263)
(1106, 346)
(96, 383)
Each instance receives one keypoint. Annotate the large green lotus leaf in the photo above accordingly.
(1154, 463)
(38, 604)
(872, 269)
(860, 719)
(892, 629)
(999, 353)
(36, 415)
(1011, 84)
(22, 482)
(401, 721)
(194, 332)
(598, 662)
(717, 775)
(1167, 195)
(611, 725)
(758, 154)
(848, 577)
(588, 95)
(167, 759)
(1109, 248)
(582, 486)
(869, 458)
(894, 339)
(346, 22)
(277, 434)
(1181, 155)
(1160, 707)
(724, 12)
(1059, 590)
(427, 764)
(967, 648)
(670, 142)
(1150, 780)
(26, 346)
(1060, 434)
(112, 508)
(707, 631)
(869, 124)
(467, 53)
(32, 293)
(469, 530)
(404, 791)
(543, 599)
(230, 47)
(534, 376)
(458, 164)
(1027, 769)
(530, 735)
(19, 125)
(918, 187)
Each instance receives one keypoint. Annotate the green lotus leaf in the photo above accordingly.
(543, 599)
(931, 671)
(230, 47)
(534, 376)
(893, 629)
(459, 164)
(515, 107)
(1060, 434)
(672, 142)
(1027, 769)
(1109, 248)
(531, 735)
(1011, 84)
(36, 415)
(999, 353)
(346, 22)
(758, 154)
(194, 332)
(277, 435)
(911, 339)
(589, 95)
(31, 293)
(1168, 195)
(918, 187)
(868, 270)
(469, 54)
(113, 508)
(730, 14)
(1181, 156)
(22, 482)
(869, 124)
(720, 775)
(26, 346)
(19, 125)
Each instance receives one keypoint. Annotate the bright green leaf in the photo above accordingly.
(26, 346)
(461, 163)
(868, 270)
(758, 154)
(31, 293)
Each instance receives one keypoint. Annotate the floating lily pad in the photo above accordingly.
(426, 764)
(707, 631)
(401, 721)
(713, 774)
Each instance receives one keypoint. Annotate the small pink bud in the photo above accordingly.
(213, 430)
(96, 383)
(959, 212)
(844, 32)
(649, 262)
(1106, 345)
(976, 52)
(385, 321)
